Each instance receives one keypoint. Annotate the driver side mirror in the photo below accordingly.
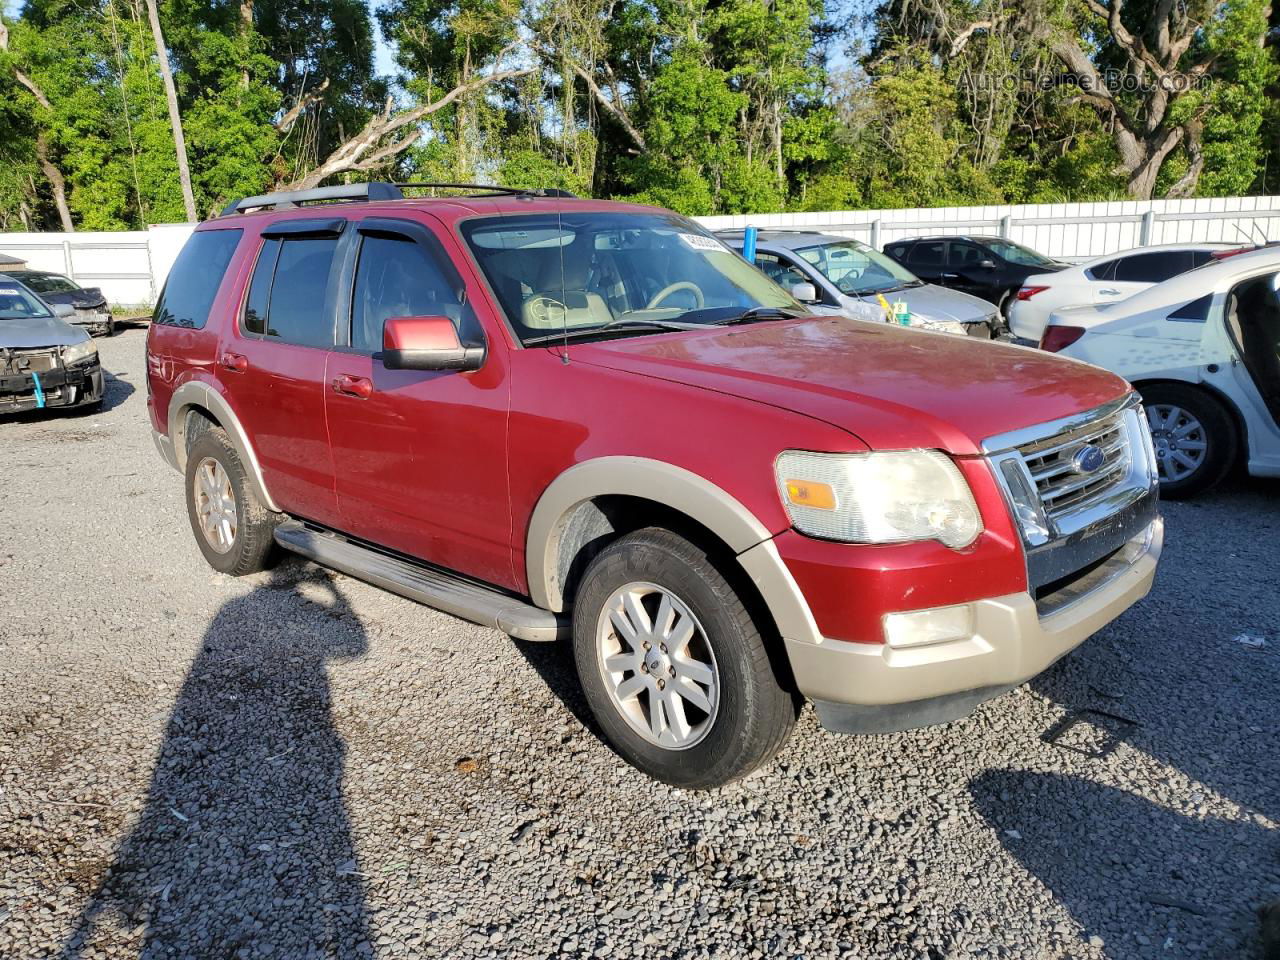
(426, 343)
(987, 264)
(805, 292)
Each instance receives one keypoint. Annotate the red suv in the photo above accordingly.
(566, 417)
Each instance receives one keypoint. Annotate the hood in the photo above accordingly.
(81, 299)
(891, 387)
(938, 303)
(38, 332)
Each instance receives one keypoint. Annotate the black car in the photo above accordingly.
(88, 304)
(988, 267)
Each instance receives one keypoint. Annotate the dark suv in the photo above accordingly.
(988, 267)
(577, 418)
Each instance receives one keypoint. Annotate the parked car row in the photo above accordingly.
(1194, 326)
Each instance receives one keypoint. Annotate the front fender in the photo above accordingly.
(681, 490)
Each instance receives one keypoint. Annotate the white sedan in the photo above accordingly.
(1203, 349)
(1103, 280)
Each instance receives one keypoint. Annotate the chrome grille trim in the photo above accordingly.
(1063, 516)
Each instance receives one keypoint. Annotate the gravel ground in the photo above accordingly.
(298, 764)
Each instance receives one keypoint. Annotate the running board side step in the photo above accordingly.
(453, 595)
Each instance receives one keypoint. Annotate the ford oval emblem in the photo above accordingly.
(1088, 459)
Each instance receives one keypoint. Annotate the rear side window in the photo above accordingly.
(286, 298)
(194, 280)
(1152, 267)
(930, 254)
(896, 250)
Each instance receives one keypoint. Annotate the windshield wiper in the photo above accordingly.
(759, 314)
(658, 326)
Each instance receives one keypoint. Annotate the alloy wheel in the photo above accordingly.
(215, 502)
(657, 665)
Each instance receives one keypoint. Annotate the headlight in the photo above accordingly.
(84, 350)
(883, 497)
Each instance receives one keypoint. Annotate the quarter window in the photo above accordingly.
(1197, 311)
(195, 277)
(287, 294)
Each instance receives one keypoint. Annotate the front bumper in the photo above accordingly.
(63, 387)
(876, 688)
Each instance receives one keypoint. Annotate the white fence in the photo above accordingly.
(1065, 231)
(131, 267)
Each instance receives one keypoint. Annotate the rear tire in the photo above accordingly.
(706, 673)
(232, 528)
(1195, 438)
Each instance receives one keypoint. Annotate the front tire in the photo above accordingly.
(673, 665)
(1195, 439)
(232, 528)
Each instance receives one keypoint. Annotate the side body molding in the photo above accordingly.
(196, 393)
(684, 491)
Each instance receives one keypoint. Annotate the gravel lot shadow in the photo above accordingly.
(1147, 880)
(554, 664)
(244, 846)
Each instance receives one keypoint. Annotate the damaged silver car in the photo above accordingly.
(44, 361)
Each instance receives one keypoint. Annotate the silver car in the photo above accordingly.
(850, 278)
(44, 361)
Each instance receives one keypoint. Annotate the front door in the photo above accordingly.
(1253, 320)
(273, 363)
(420, 457)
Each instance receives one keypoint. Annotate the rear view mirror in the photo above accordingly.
(62, 310)
(804, 292)
(426, 343)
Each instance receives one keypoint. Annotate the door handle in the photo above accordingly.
(349, 386)
(951, 276)
(235, 362)
(1109, 293)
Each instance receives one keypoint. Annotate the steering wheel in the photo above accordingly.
(547, 310)
(671, 288)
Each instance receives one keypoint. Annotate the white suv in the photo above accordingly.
(1204, 351)
(1103, 280)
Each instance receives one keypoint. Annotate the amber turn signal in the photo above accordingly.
(807, 493)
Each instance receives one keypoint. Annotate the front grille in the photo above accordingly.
(1064, 490)
(28, 361)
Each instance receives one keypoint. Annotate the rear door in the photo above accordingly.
(965, 271)
(928, 260)
(273, 363)
(421, 456)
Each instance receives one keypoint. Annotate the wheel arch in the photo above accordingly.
(593, 503)
(197, 397)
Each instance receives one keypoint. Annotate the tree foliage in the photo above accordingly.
(706, 106)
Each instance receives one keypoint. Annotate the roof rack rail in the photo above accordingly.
(493, 188)
(286, 199)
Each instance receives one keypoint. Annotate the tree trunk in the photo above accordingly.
(175, 118)
(56, 182)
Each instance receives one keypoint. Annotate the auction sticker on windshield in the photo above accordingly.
(699, 242)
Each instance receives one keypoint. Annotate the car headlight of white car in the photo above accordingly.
(80, 352)
(879, 497)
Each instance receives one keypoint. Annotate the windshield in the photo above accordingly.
(856, 269)
(1016, 253)
(50, 284)
(19, 304)
(632, 272)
